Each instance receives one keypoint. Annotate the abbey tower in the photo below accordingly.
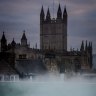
(53, 31)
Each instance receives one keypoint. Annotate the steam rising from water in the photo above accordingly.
(52, 87)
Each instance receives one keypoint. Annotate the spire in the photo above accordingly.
(13, 43)
(3, 37)
(82, 46)
(86, 47)
(24, 36)
(65, 11)
(59, 12)
(24, 39)
(91, 45)
(42, 15)
(3, 43)
(65, 14)
(48, 17)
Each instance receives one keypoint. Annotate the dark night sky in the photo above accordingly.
(19, 15)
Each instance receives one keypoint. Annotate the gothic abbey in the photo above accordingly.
(52, 57)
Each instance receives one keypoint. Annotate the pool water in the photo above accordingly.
(54, 88)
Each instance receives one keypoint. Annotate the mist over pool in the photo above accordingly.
(77, 86)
